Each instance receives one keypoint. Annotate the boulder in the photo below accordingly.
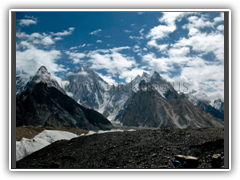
(216, 161)
(192, 161)
(180, 158)
(187, 161)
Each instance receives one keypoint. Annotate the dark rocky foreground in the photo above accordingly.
(144, 148)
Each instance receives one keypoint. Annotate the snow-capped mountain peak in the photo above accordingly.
(155, 75)
(42, 70)
(84, 68)
(146, 77)
(145, 74)
(87, 77)
(43, 76)
(88, 88)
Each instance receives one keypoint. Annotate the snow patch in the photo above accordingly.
(175, 120)
(55, 135)
(217, 104)
(69, 94)
(106, 131)
(28, 146)
(83, 73)
(45, 138)
(109, 131)
(90, 133)
(160, 90)
(187, 117)
(106, 98)
(174, 117)
(119, 105)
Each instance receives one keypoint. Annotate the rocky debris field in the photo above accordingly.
(143, 148)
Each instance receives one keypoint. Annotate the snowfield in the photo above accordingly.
(45, 138)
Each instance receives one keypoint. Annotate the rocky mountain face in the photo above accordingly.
(147, 101)
(148, 108)
(91, 91)
(43, 102)
(199, 98)
(86, 87)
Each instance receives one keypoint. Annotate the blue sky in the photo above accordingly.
(184, 47)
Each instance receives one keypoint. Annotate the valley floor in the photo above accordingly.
(143, 148)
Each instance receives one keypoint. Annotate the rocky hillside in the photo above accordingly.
(136, 149)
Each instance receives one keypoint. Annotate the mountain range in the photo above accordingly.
(147, 101)
(199, 98)
(43, 102)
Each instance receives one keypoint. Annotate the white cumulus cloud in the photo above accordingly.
(160, 47)
(76, 57)
(204, 43)
(129, 75)
(47, 41)
(27, 22)
(32, 58)
(161, 31)
(64, 33)
(220, 27)
(181, 52)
